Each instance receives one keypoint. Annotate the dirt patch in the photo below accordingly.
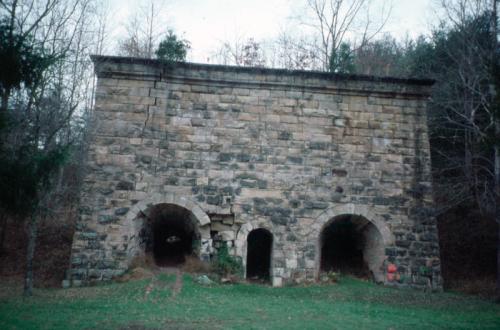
(467, 243)
(157, 284)
(193, 265)
(52, 251)
(137, 273)
(177, 288)
(11, 287)
(483, 287)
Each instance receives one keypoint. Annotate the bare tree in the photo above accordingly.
(48, 113)
(228, 52)
(144, 30)
(241, 52)
(495, 58)
(339, 21)
(294, 52)
(465, 114)
(465, 96)
(101, 33)
(483, 122)
(382, 57)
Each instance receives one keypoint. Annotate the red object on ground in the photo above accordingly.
(391, 268)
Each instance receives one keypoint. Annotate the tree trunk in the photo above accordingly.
(30, 254)
(3, 223)
(468, 166)
(5, 103)
(496, 117)
(497, 201)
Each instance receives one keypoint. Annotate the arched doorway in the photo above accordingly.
(351, 244)
(259, 249)
(170, 234)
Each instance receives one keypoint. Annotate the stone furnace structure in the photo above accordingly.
(294, 172)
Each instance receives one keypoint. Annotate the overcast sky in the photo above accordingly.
(207, 23)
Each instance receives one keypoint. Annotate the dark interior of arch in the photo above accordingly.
(342, 246)
(259, 245)
(171, 234)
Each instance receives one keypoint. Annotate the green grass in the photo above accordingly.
(351, 304)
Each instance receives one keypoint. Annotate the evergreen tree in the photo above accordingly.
(342, 60)
(172, 49)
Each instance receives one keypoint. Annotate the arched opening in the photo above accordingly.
(259, 248)
(350, 244)
(170, 234)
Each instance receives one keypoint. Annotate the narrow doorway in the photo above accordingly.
(259, 249)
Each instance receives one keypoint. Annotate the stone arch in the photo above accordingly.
(259, 254)
(200, 216)
(140, 210)
(363, 211)
(241, 242)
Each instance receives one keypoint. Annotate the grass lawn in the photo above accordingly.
(164, 303)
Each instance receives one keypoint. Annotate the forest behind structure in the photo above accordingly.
(47, 86)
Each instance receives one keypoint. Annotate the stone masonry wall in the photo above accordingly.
(245, 148)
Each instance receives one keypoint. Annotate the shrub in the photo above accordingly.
(225, 264)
